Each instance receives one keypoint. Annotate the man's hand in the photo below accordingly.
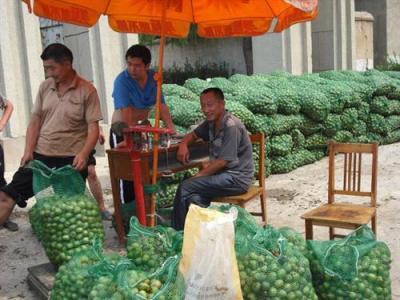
(183, 153)
(26, 158)
(79, 162)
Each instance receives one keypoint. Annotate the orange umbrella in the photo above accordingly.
(172, 18)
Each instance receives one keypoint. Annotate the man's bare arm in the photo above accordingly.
(80, 159)
(6, 115)
(166, 116)
(183, 151)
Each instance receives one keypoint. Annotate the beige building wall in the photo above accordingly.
(364, 41)
(333, 36)
(386, 15)
(393, 27)
(289, 51)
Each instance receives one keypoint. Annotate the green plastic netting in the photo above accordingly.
(357, 267)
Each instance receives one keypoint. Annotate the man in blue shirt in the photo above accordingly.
(135, 92)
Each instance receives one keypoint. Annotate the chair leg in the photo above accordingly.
(263, 208)
(309, 230)
(373, 224)
(331, 233)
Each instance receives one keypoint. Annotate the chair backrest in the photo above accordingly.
(352, 170)
(259, 140)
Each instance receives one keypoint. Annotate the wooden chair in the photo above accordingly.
(254, 190)
(346, 215)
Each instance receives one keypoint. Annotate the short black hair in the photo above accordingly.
(58, 52)
(219, 94)
(139, 51)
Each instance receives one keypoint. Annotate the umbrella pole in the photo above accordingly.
(153, 198)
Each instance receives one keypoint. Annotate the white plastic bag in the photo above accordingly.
(208, 264)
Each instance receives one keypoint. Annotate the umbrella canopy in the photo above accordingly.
(172, 18)
(214, 18)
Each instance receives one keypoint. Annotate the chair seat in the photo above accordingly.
(341, 213)
(253, 191)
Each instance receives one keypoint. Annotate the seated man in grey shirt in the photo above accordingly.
(230, 169)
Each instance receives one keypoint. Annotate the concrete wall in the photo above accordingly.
(99, 55)
(378, 9)
(290, 51)
(333, 36)
(205, 52)
(20, 71)
(393, 26)
(364, 41)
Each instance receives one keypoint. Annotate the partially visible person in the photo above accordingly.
(230, 168)
(94, 182)
(7, 108)
(134, 94)
(63, 129)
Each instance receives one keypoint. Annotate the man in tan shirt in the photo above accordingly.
(63, 129)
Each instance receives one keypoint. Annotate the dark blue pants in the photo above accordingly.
(200, 191)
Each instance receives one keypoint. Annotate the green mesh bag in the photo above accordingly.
(246, 225)
(224, 84)
(332, 125)
(303, 157)
(65, 181)
(165, 283)
(283, 164)
(316, 141)
(178, 91)
(343, 136)
(270, 268)
(281, 145)
(385, 107)
(356, 267)
(298, 139)
(281, 124)
(241, 112)
(114, 279)
(196, 85)
(392, 137)
(64, 217)
(349, 118)
(184, 113)
(36, 221)
(377, 124)
(308, 126)
(149, 247)
(295, 240)
(74, 280)
(363, 111)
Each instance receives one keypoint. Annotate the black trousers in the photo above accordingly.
(3, 181)
(127, 190)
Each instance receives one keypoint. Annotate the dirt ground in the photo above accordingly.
(289, 196)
